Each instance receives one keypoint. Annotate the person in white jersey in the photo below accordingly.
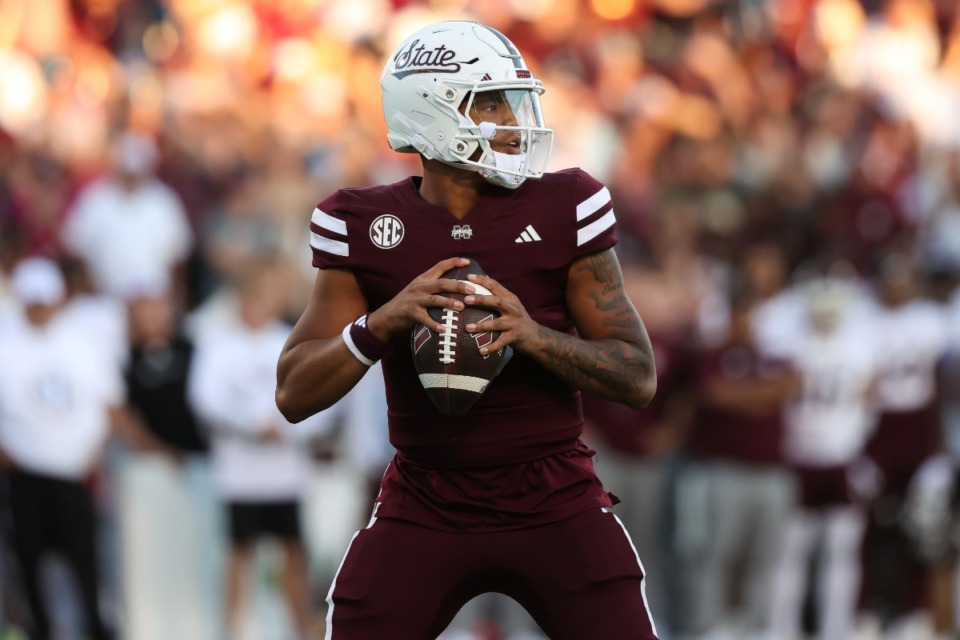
(260, 461)
(827, 425)
(128, 226)
(57, 395)
(909, 432)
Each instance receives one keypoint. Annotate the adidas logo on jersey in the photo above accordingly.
(529, 235)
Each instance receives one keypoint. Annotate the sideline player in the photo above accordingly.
(505, 498)
(827, 426)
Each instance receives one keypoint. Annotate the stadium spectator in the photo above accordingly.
(129, 227)
(40, 192)
(169, 529)
(58, 396)
(734, 494)
(260, 461)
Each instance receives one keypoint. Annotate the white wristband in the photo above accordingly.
(352, 346)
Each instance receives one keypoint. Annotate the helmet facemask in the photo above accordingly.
(503, 131)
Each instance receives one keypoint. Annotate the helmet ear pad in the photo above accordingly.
(422, 126)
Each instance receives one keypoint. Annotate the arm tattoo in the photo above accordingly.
(610, 299)
(618, 364)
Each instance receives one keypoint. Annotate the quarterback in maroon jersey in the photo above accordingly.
(505, 498)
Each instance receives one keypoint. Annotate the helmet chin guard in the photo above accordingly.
(509, 168)
(430, 86)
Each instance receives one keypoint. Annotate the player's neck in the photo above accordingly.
(456, 190)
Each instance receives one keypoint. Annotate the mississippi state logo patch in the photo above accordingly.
(386, 231)
(485, 339)
(421, 337)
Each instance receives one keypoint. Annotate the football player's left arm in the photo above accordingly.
(612, 358)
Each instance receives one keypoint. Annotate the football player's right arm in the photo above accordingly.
(316, 368)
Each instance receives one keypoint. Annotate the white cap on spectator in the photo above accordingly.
(135, 153)
(38, 281)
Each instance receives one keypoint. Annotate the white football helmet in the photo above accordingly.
(429, 86)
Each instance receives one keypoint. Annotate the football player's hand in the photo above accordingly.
(515, 325)
(409, 307)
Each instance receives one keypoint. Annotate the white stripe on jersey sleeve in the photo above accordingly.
(328, 222)
(336, 247)
(592, 204)
(595, 228)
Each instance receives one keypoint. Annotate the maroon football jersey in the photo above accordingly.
(526, 239)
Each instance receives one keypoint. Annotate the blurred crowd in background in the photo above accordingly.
(786, 175)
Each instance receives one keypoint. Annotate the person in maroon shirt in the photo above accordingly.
(505, 498)
(734, 494)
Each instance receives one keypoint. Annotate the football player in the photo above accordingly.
(505, 498)
(908, 433)
(827, 426)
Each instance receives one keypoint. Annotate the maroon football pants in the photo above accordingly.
(578, 578)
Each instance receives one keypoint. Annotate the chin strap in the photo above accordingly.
(508, 161)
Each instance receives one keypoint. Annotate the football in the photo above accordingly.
(451, 368)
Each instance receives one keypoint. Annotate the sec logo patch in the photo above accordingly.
(386, 231)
